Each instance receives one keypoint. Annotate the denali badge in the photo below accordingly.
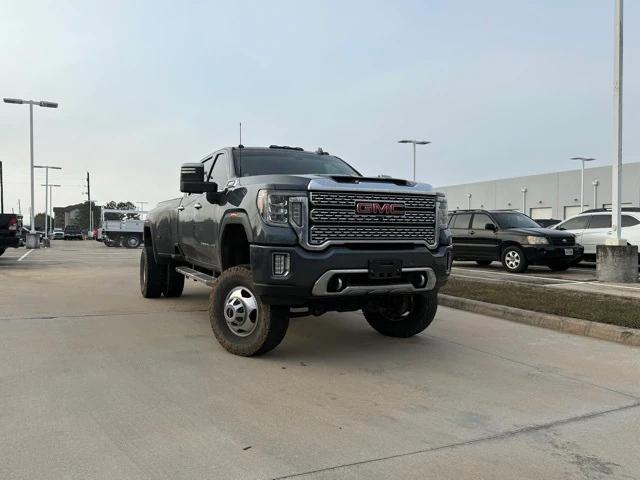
(375, 208)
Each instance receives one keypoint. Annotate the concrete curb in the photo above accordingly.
(575, 326)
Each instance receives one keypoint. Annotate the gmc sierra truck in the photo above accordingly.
(280, 232)
(10, 227)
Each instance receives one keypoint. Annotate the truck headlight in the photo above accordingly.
(532, 240)
(273, 206)
(443, 219)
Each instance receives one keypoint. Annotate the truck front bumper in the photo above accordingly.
(310, 273)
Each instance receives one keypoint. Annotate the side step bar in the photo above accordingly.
(196, 275)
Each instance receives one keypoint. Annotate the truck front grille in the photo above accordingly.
(350, 217)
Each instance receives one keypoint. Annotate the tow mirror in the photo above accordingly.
(192, 179)
(490, 226)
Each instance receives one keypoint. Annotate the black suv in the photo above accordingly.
(512, 238)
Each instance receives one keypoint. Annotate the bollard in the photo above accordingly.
(617, 263)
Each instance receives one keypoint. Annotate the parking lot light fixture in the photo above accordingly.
(583, 160)
(469, 201)
(524, 200)
(32, 239)
(595, 193)
(414, 143)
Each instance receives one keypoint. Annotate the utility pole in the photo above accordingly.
(90, 209)
(1, 191)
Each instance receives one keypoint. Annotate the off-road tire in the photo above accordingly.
(418, 317)
(484, 263)
(510, 265)
(152, 275)
(173, 281)
(271, 323)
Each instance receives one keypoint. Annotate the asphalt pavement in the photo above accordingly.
(98, 383)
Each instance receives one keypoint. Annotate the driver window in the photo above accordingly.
(218, 173)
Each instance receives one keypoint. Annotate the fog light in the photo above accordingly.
(281, 264)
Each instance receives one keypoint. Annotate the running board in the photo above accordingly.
(196, 275)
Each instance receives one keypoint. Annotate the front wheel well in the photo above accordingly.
(234, 245)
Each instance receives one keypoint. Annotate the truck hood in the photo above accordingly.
(337, 182)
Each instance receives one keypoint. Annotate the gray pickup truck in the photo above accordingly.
(280, 232)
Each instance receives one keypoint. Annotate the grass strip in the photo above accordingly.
(609, 309)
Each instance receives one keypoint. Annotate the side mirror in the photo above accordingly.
(192, 179)
(490, 226)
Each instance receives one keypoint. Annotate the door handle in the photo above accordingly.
(197, 206)
(471, 232)
(181, 208)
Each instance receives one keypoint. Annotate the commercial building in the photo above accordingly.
(549, 195)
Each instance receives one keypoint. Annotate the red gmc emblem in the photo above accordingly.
(375, 208)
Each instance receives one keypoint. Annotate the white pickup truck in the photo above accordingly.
(121, 233)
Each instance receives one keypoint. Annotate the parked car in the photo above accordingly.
(58, 234)
(280, 232)
(547, 222)
(512, 238)
(73, 232)
(10, 228)
(592, 227)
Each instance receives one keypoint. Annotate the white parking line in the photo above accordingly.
(24, 256)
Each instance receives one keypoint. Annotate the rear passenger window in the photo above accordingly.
(480, 221)
(600, 221)
(461, 221)
(577, 223)
(629, 221)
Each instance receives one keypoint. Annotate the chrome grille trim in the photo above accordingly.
(348, 199)
(321, 234)
(337, 215)
(331, 219)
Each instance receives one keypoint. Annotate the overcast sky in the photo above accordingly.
(501, 88)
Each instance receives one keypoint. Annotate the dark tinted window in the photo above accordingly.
(461, 221)
(629, 221)
(576, 223)
(283, 162)
(219, 172)
(514, 220)
(480, 220)
(600, 221)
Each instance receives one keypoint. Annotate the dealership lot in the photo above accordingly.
(580, 278)
(97, 382)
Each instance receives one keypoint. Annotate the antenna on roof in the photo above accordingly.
(240, 143)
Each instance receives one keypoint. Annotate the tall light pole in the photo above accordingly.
(50, 209)
(524, 200)
(583, 160)
(616, 177)
(595, 193)
(33, 241)
(469, 201)
(46, 195)
(414, 143)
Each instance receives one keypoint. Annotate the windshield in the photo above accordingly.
(282, 162)
(514, 220)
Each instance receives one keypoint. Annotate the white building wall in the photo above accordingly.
(559, 191)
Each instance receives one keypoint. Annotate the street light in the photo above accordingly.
(595, 193)
(46, 195)
(50, 211)
(32, 239)
(524, 200)
(583, 160)
(414, 143)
